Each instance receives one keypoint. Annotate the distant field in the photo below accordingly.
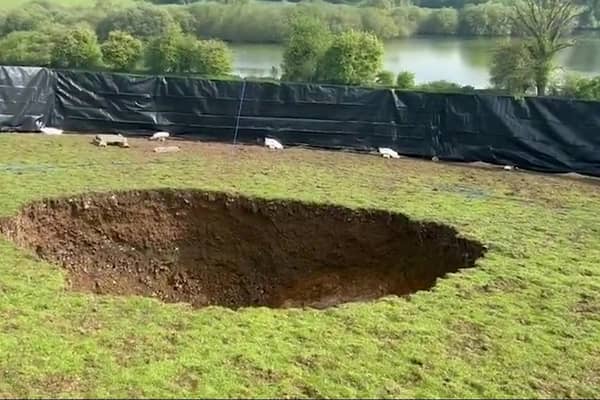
(17, 3)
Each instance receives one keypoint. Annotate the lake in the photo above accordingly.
(461, 60)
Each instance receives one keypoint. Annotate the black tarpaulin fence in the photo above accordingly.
(545, 134)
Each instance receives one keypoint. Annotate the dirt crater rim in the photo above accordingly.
(212, 248)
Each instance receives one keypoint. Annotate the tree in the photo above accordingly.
(512, 67)
(77, 48)
(405, 80)
(441, 86)
(27, 48)
(383, 4)
(385, 78)
(488, 19)
(546, 23)
(121, 51)
(307, 42)
(354, 58)
(23, 19)
(143, 21)
(163, 51)
(579, 87)
(379, 22)
(204, 57)
(443, 21)
(175, 52)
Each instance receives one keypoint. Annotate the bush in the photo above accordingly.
(581, 88)
(27, 48)
(163, 52)
(489, 19)
(441, 87)
(385, 78)
(204, 57)
(379, 22)
(512, 69)
(409, 19)
(308, 40)
(28, 18)
(443, 21)
(143, 21)
(405, 80)
(354, 58)
(175, 52)
(121, 51)
(76, 48)
(254, 22)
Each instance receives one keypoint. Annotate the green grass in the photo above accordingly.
(524, 323)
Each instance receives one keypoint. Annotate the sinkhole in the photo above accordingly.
(207, 248)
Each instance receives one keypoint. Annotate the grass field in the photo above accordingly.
(524, 323)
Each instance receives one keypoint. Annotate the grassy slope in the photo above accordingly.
(525, 323)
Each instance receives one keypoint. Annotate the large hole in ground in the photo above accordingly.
(219, 249)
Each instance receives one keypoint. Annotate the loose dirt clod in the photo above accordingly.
(218, 249)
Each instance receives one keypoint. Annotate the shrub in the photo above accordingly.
(405, 80)
(121, 51)
(354, 58)
(27, 48)
(76, 48)
(385, 78)
(308, 40)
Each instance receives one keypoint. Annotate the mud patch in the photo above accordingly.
(218, 249)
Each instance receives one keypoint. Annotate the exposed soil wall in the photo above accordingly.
(218, 249)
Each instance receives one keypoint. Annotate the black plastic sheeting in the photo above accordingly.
(26, 98)
(545, 134)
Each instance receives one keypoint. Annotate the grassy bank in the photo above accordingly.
(524, 323)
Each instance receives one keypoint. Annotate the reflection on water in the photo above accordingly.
(462, 60)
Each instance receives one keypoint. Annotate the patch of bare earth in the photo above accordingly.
(219, 249)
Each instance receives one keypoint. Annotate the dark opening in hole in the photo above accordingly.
(219, 249)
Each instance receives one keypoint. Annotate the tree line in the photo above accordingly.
(262, 21)
(314, 51)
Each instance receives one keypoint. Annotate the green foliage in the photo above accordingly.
(26, 48)
(163, 52)
(442, 86)
(488, 19)
(176, 52)
(405, 80)
(383, 4)
(588, 89)
(546, 23)
(254, 22)
(409, 19)
(354, 58)
(443, 21)
(385, 78)
(308, 40)
(511, 68)
(121, 51)
(204, 57)
(76, 48)
(23, 19)
(379, 22)
(578, 87)
(143, 21)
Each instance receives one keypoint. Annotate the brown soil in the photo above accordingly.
(218, 249)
